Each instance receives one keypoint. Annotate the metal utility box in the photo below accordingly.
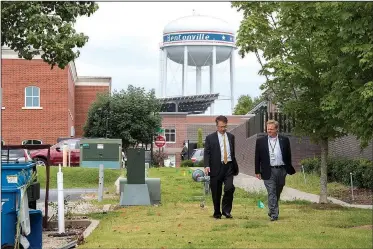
(154, 187)
(136, 166)
(96, 151)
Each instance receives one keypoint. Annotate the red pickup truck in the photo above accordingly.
(56, 153)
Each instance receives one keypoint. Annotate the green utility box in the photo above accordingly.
(136, 166)
(96, 151)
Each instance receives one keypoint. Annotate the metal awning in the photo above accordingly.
(192, 104)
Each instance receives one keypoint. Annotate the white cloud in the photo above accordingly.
(124, 40)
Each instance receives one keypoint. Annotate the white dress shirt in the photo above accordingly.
(221, 142)
(274, 146)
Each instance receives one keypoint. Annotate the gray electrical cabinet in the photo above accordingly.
(96, 151)
(137, 189)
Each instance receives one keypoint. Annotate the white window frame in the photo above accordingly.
(164, 134)
(23, 142)
(32, 96)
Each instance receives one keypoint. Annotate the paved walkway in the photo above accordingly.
(252, 184)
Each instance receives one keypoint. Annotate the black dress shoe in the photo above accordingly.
(228, 216)
(217, 216)
(274, 218)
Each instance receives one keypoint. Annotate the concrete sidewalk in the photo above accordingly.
(252, 184)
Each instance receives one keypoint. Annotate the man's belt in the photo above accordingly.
(278, 166)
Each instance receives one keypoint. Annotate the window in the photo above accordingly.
(32, 141)
(13, 153)
(32, 96)
(170, 135)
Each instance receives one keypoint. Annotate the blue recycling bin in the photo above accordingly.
(10, 199)
(35, 238)
(15, 175)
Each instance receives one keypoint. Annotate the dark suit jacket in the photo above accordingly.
(262, 161)
(212, 153)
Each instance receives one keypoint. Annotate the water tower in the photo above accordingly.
(198, 41)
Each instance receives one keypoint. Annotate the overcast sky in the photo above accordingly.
(124, 43)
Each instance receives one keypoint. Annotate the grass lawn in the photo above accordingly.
(179, 222)
(77, 177)
(312, 184)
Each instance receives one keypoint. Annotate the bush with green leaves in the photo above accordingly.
(187, 163)
(339, 170)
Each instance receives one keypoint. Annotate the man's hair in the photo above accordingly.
(221, 118)
(274, 122)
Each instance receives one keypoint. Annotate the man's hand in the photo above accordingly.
(207, 171)
(259, 176)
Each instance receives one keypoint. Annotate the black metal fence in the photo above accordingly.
(257, 124)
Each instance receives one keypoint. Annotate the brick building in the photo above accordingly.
(180, 127)
(42, 104)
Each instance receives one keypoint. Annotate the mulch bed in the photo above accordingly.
(361, 196)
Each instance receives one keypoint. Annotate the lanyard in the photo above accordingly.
(272, 147)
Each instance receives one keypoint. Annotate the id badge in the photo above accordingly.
(272, 156)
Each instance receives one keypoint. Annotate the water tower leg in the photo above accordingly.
(164, 72)
(212, 76)
(232, 72)
(198, 79)
(185, 67)
(161, 68)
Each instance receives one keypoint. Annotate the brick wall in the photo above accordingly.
(210, 119)
(71, 100)
(245, 149)
(175, 121)
(349, 147)
(207, 123)
(44, 124)
(84, 97)
(192, 131)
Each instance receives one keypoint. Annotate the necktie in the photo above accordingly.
(225, 151)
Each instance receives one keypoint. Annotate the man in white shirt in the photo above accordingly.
(272, 164)
(221, 165)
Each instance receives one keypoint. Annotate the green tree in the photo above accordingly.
(133, 116)
(316, 56)
(200, 139)
(31, 28)
(245, 103)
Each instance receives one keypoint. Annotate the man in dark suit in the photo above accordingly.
(221, 165)
(272, 164)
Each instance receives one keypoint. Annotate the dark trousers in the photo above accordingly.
(274, 187)
(216, 182)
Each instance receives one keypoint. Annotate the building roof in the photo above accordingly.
(192, 104)
(258, 107)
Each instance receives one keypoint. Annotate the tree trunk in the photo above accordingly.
(324, 172)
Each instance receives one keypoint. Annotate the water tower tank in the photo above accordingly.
(197, 41)
(200, 34)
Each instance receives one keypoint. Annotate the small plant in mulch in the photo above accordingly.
(67, 207)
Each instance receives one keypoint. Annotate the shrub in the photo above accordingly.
(187, 163)
(159, 157)
(339, 170)
(200, 139)
(311, 164)
(201, 164)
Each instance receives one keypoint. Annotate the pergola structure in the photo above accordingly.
(193, 104)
